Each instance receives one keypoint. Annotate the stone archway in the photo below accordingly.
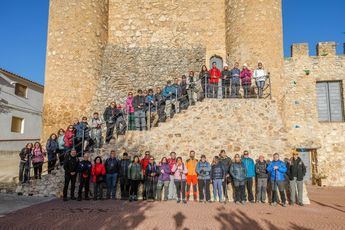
(218, 60)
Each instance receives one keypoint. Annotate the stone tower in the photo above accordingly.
(254, 33)
(76, 37)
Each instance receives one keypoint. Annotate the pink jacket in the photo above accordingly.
(38, 155)
(179, 171)
(246, 77)
(129, 105)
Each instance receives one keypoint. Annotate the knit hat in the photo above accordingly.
(225, 65)
(245, 65)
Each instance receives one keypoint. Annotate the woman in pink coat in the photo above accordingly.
(246, 79)
(130, 111)
(180, 170)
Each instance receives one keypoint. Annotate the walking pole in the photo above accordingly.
(205, 87)
(82, 143)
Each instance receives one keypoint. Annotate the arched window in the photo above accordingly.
(218, 60)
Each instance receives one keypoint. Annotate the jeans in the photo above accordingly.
(213, 90)
(240, 193)
(226, 88)
(23, 171)
(217, 189)
(151, 187)
(98, 190)
(160, 186)
(111, 185)
(235, 87)
(84, 183)
(61, 155)
(125, 186)
(278, 185)
(249, 187)
(140, 120)
(180, 189)
(172, 188)
(204, 189)
(246, 90)
(260, 85)
(261, 189)
(37, 169)
(110, 132)
(51, 165)
(69, 178)
(295, 184)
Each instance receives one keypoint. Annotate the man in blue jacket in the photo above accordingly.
(277, 170)
(169, 94)
(249, 165)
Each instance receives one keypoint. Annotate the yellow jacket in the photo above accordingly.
(191, 167)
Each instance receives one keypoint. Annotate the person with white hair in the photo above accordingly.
(260, 78)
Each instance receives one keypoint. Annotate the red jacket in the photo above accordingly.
(144, 163)
(171, 162)
(68, 138)
(246, 77)
(215, 75)
(97, 170)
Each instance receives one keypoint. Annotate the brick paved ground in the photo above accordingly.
(327, 211)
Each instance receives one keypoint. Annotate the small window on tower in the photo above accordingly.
(20, 90)
(17, 125)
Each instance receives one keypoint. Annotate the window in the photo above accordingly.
(329, 101)
(20, 90)
(17, 125)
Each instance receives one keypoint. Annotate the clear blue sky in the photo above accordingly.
(23, 34)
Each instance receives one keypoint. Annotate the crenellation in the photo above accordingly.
(299, 50)
(326, 49)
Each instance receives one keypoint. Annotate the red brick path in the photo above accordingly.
(327, 211)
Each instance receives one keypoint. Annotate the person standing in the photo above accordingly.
(226, 74)
(261, 178)
(215, 75)
(204, 77)
(130, 111)
(183, 97)
(152, 173)
(191, 89)
(217, 177)
(180, 172)
(296, 172)
(160, 102)
(250, 174)
(169, 96)
(144, 163)
(70, 166)
(69, 139)
(84, 170)
(110, 115)
(277, 170)
(172, 187)
(52, 147)
(124, 181)
(246, 78)
(135, 175)
(96, 130)
(260, 79)
(151, 113)
(38, 154)
(192, 177)
(78, 129)
(111, 165)
(139, 111)
(61, 149)
(238, 174)
(235, 81)
(98, 172)
(163, 179)
(24, 164)
(226, 162)
(203, 169)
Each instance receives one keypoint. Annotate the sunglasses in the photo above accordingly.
(151, 159)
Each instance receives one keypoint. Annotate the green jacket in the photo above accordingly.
(135, 172)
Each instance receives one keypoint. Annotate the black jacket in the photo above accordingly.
(124, 168)
(296, 169)
(261, 169)
(71, 164)
(217, 172)
(226, 162)
(110, 114)
(25, 154)
(112, 165)
(84, 169)
(139, 101)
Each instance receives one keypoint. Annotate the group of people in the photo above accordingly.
(173, 179)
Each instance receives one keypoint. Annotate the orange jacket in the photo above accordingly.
(191, 167)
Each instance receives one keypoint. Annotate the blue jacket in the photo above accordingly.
(168, 92)
(148, 100)
(203, 170)
(238, 172)
(51, 147)
(280, 171)
(217, 172)
(249, 164)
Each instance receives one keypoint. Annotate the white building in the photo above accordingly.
(21, 104)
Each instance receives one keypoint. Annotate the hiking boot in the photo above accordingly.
(79, 198)
(243, 202)
(274, 204)
(135, 198)
(184, 201)
(301, 204)
(284, 205)
(178, 201)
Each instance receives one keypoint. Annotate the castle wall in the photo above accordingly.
(254, 33)
(300, 113)
(76, 37)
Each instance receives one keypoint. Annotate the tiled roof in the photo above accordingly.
(10, 74)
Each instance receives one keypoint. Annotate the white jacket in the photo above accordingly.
(260, 75)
